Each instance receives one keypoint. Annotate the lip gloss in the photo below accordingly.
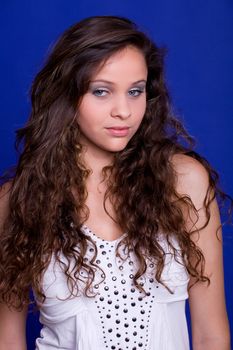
(118, 132)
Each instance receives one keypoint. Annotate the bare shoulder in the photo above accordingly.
(190, 170)
(192, 178)
(5, 191)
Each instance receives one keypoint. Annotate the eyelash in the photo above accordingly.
(96, 91)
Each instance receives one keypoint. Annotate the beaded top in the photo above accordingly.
(120, 316)
(123, 310)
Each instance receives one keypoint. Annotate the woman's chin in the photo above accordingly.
(117, 148)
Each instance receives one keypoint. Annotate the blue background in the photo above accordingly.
(199, 70)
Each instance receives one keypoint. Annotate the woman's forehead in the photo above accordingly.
(127, 64)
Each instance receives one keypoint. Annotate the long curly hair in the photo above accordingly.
(47, 191)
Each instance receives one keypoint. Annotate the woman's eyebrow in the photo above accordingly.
(112, 83)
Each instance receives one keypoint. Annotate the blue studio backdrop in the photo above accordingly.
(199, 37)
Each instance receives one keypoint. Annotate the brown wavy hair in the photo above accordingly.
(47, 189)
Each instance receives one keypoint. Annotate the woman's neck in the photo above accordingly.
(95, 162)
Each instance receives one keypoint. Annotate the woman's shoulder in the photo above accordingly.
(192, 178)
(189, 167)
(5, 191)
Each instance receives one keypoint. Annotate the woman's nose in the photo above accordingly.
(121, 108)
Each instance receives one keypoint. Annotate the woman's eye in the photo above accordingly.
(136, 92)
(100, 92)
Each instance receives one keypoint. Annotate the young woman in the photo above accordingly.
(109, 218)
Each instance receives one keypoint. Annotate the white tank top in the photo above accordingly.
(119, 317)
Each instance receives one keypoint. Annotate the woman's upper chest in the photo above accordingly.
(102, 217)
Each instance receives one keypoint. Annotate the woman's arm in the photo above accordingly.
(210, 328)
(12, 329)
(12, 323)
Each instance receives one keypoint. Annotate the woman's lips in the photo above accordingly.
(118, 131)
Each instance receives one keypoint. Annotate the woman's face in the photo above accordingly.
(111, 111)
